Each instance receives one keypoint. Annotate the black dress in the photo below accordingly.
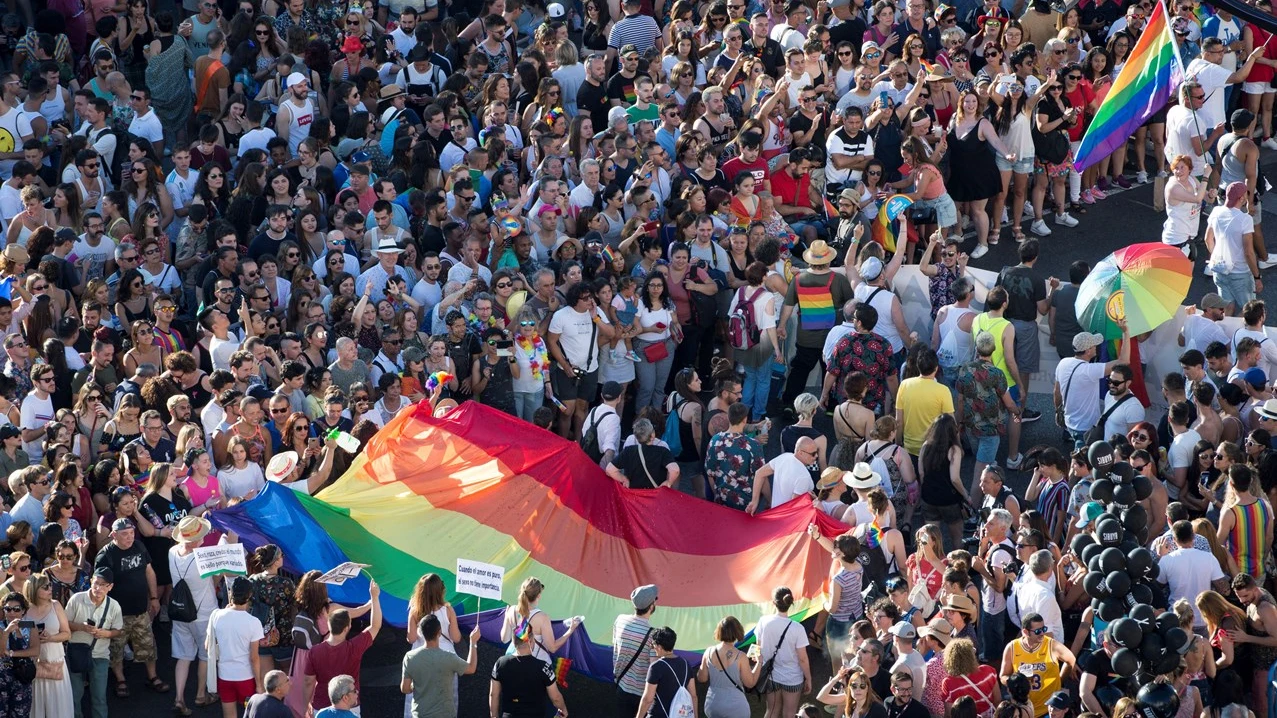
(979, 178)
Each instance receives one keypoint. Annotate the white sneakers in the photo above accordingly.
(1039, 228)
(1141, 177)
(979, 251)
(1270, 143)
(1065, 220)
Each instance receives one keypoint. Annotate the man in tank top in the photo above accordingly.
(297, 114)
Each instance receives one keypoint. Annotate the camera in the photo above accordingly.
(578, 372)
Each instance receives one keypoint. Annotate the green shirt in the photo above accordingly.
(432, 671)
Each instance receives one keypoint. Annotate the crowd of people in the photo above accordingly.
(240, 237)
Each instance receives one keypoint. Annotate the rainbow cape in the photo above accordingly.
(1147, 82)
(482, 485)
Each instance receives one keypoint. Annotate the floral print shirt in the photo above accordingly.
(980, 389)
(869, 353)
(731, 459)
(277, 592)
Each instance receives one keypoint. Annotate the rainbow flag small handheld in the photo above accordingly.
(887, 229)
(434, 380)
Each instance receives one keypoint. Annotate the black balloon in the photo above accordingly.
(1176, 639)
(1111, 609)
(1128, 545)
(1118, 583)
(1143, 487)
(1135, 518)
(1122, 472)
(1080, 542)
(1093, 549)
(1158, 700)
(1146, 615)
(1111, 559)
(1124, 494)
(1108, 532)
(1166, 620)
(1141, 593)
(1138, 562)
(1126, 633)
(1152, 648)
(1102, 490)
(1125, 661)
(1094, 584)
(1100, 454)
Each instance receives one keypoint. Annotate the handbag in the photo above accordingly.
(80, 655)
(655, 352)
(49, 670)
(1096, 433)
(765, 684)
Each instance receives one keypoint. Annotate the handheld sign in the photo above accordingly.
(338, 576)
(221, 559)
(482, 580)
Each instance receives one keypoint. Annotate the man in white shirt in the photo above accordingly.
(30, 507)
(1187, 571)
(236, 633)
(903, 635)
(1080, 400)
(607, 423)
(836, 334)
(996, 553)
(1186, 133)
(574, 337)
(1182, 454)
(1122, 407)
(848, 150)
(405, 34)
(96, 130)
(94, 618)
(785, 477)
(11, 191)
(257, 137)
(1202, 327)
(145, 123)
(584, 194)
(470, 265)
(1034, 595)
(37, 410)
(1213, 78)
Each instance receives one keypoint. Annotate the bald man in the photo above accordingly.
(785, 477)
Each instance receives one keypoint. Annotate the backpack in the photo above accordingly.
(672, 437)
(266, 614)
(181, 602)
(590, 437)
(681, 705)
(742, 328)
(1007, 570)
(874, 577)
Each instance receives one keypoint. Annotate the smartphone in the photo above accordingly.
(25, 623)
(6, 562)
(882, 98)
(312, 443)
(650, 226)
(505, 343)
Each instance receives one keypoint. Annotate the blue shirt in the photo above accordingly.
(331, 712)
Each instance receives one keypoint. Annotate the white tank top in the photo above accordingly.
(299, 120)
(54, 109)
(1182, 220)
(962, 347)
(881, 301)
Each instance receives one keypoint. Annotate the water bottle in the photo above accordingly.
(344, 440)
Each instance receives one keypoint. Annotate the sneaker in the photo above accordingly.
(1065, 220)
(1028, 416)
(1088, 197)
(1098, 193)
(979, 251)
(1006, 218)
(1101, 187)
(1141, 177)
(1013, 463)
(618, 354)
(633, 356)
(1028, 208)
(1039, 228)
(1270, 143)
(1122, 182)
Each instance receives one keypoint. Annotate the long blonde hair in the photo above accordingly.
(427, 596)
(1206, 530)
(529, 592)
(1215, 608)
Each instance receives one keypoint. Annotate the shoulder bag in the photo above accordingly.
(80, 655)
(633, 658)
(1059, 410)
(1096, 433)
(764, 684)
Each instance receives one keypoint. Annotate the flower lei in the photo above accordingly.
(477, 325)
(538, 357)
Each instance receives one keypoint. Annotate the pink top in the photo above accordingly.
(199, 496)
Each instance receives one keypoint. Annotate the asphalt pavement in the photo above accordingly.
(1123, 218)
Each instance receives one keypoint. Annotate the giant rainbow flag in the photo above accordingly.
(481, 485)
(1144, 86)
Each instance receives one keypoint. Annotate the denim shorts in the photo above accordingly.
(986, 448)
(1236, 287)
(946, 210)
(1021, 166)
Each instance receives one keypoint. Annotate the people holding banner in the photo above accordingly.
(339, 655)
(429, 671)
(193, 596)
(536, 620)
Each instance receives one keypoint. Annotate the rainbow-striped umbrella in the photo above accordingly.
(1145, 283)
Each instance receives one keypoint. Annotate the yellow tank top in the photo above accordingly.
(995, 326)
(1041, 670)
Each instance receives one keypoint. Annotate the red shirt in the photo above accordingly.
(980, 686)
(736, 165)
(327, 661)
(1080, 97)
(792, 191)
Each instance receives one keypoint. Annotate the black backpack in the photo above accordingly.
(181, 602)
(874, 577)
(590, 437)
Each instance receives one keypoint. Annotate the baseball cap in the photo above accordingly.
(614, 114)
(9, 431)
(121, 525)
(644, 596)
(1091, 510)
(903, 629)
(1255, 377)
(611, 390)
(871, 269)
(555, 11)
(105, 573)
(241, 590)
(1086, 340)
(295, 78)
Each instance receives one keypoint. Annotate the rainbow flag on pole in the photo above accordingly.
(1147, 82)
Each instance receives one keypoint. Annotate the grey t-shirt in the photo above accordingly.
(1066, 326)
(431, 671)
(343, 378)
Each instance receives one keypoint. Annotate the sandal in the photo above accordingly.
(158, 685)
(121, 690)
(1018, 235)
(208, 700)
(181, 710)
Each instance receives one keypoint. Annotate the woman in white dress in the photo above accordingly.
(1184, 195)
(51, 697)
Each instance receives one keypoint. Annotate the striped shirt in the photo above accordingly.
(851, 604)
(641, 31)
(628, 633)
(1052, 504)
(1246, 539)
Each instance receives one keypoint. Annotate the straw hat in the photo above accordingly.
(819, 253)
(192, 529)
(281, 465)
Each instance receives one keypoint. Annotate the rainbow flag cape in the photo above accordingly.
(482, 485)
(887, 228)
(1147, 82)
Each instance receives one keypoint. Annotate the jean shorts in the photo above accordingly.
(986, 448)
(1235, 287)
(946, 210)
(1021, 166)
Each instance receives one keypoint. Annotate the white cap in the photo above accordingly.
(555, 11)
(295, 78)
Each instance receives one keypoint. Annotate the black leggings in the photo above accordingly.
(805, 359)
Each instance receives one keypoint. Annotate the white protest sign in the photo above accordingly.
(480, 579)
(338, 575)
(221, 559)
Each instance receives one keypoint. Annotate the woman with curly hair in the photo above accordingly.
(212, 190)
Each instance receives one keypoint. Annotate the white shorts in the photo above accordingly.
(1258, 88)
(188, 640)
